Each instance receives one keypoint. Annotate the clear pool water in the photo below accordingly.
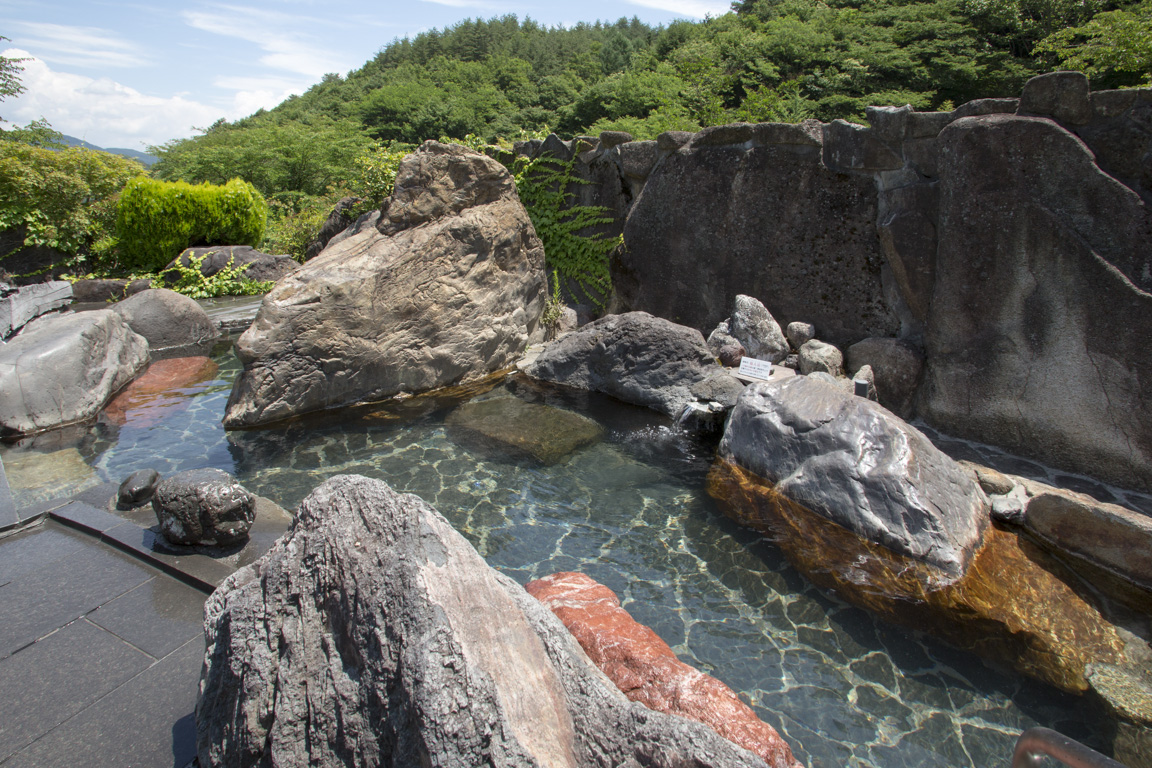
(630, 511)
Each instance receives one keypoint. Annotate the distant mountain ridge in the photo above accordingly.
(143, 157)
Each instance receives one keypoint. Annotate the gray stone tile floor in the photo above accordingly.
(101, 635)
(100, 654)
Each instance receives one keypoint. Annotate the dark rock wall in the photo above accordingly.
(1010, 238)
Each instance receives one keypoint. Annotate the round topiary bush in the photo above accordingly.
(157, 220)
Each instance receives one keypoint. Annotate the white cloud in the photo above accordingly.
(696, 9)
(254, 93)
(79, 46)
(105, 112)
(285, 50)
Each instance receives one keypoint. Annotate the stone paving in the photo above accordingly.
(101, 634)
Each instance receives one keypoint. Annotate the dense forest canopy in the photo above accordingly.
(766, 60)
(505, 78)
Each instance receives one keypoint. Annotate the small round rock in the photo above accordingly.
(203, 506)
(800, 334)
(137, 489)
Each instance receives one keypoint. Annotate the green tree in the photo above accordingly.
(271, 154)
(1114, 47)
(10, 70)
(64, 199)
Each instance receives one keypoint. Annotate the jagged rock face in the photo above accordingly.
(852, 462)
(63, 369)
(752, 210)
(647, 671)
(634, 357)
(373, 634)
(1037, 337)
(448, 287)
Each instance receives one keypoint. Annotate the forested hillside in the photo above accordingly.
(767, 60)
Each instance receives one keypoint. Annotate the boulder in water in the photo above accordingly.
(373, 634)
(447, 288)
(634, 357)
(63, 369)
(852, 462)
(173, 324)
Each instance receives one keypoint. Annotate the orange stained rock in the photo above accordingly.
(1015, 603)
(645, 669)
(150, 396)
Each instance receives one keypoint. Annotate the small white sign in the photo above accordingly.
(756, 369)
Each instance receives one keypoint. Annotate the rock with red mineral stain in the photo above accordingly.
(159, 390)
(645, 669)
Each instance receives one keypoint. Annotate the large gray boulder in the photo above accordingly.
(752, 209)
(852, 462)
(373, 634)
(447, 287)
(64, 369)
(633, 357)
(1037, 336)
(172, 323)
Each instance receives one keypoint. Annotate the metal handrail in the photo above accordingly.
(1037, 743)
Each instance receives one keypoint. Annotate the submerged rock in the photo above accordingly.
(647, 671)
(852, 462)
(545, 433)
(448, 287)
(373, 634)
(203, 506)
(159, 391)
(634, 357)
(63, 369)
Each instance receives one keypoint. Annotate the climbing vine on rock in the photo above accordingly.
(229, 281)
(543, 184)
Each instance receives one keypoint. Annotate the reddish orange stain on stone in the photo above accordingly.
(645, 669)
(151, 395)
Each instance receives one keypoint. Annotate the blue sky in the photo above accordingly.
(123, 74)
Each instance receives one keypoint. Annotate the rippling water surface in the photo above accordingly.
(630, 511)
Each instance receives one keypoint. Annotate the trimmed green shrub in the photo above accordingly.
(156, 220)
